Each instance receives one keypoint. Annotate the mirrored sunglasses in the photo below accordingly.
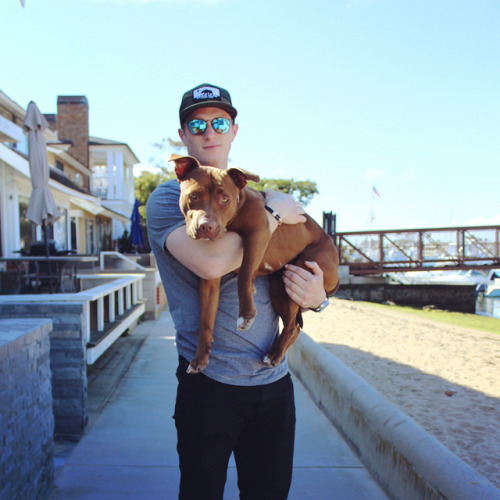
(198, 127)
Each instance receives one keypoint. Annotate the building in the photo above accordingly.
(91, 180)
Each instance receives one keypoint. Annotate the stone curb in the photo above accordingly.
(406, 460)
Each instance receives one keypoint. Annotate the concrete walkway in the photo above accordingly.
(129, 452)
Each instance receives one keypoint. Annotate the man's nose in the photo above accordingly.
(209, 131)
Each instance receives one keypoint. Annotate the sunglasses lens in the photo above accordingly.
(221, 125)
(197, 127)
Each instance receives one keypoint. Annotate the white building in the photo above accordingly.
(93, 215)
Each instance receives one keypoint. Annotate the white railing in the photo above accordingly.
(120, 256)
(119, 295)
(122, 294)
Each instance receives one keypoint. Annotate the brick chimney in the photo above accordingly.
(73, 125)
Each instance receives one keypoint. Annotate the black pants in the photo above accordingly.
(256, 423)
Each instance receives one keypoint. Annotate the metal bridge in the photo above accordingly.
(428, 249)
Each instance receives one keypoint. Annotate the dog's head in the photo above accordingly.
(210, 197)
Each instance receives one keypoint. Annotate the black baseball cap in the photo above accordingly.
(206, 96)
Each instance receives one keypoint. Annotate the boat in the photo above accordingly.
(493, 287)
(472, 277)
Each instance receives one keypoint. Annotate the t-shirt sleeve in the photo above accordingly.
(163, 214)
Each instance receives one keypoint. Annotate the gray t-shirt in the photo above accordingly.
(236, 357)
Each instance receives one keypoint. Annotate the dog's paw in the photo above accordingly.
(196, 366)
(191, 370)
(267, 361)
(243, 324)
(272, 359)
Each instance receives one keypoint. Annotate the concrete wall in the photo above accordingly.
(26, 420)
(407, 461)
(67, 358)
(460, 298)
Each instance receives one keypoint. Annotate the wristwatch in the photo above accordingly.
(322, 306)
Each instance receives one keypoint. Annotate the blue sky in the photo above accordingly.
(397, 94)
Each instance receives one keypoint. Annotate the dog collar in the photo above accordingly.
(274, 214)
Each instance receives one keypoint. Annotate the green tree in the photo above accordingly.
(146, 183)
(302, 191)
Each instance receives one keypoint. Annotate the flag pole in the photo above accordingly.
(372, 214)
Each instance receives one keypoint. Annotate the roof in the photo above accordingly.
(97, 209)
(11, 105)
(99, 142)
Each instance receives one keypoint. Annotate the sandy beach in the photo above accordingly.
(446, 378)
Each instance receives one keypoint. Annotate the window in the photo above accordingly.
(27, 230)
(73, 232)
(60, 232)
(89, 237)
(104, 234)
(21, 146)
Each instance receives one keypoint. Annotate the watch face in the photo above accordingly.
(322, 306)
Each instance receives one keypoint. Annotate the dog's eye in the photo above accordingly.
(193, 196)
(224, 200)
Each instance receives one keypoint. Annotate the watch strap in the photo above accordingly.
(322, 306)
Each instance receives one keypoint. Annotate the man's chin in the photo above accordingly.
(210, 157)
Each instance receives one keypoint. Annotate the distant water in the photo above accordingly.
(488, 306)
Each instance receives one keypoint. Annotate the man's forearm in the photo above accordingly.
(207, 259)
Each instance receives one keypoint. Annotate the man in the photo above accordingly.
(237, 404)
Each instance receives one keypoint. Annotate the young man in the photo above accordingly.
(237, 404)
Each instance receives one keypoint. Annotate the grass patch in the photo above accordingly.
(475, 321)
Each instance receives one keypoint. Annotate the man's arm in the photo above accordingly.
(213, 259)
(205, 258)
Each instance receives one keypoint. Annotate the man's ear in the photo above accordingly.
(235, 130)
(240, 177)
(183, 165)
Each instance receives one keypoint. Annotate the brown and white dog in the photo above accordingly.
(213, 201)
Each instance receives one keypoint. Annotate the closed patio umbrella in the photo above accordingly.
(136, 232)
(42, 209)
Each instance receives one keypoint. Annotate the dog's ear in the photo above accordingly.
(240, 177)
(183, 165)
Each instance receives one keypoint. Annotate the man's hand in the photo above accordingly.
(290, 211)
(304, 287)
